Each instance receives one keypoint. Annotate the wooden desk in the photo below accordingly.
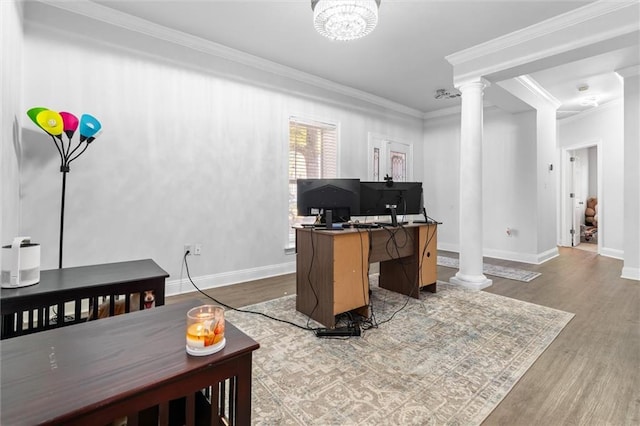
(332, 266)
(98, 371)
(30, 309)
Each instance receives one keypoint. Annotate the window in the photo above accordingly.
(313, 154)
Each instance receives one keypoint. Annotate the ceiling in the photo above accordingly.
(403, 60)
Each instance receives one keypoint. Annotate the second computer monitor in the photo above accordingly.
(390, 198)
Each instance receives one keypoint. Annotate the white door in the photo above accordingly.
(398, 155)
(577, 195)
(388, 157)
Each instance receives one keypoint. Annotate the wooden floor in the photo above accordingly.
(590, 375)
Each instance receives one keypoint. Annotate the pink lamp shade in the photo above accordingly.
(89, 127)
(51, 122)
(70, 123)
(33, 114)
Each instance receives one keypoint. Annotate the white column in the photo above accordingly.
(631, 218)
(470, 273)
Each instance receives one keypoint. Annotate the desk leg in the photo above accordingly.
(409, 274)
(430, 288)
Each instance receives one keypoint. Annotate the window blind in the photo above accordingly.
(313, 154)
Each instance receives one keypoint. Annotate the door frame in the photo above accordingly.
(565, 206)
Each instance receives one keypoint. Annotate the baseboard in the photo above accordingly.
(535, 259)
(630, 273)
(547, 255)
(449, 247)
(616, 254)
(180, 286)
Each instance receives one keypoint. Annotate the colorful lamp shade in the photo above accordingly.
(51, 122)
(89, 127)
(94, 137)
(70, 123)
(33, 114)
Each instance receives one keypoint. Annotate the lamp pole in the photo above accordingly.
(64, 169)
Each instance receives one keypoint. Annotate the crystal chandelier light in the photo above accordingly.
(345, 19)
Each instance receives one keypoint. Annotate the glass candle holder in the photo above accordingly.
(205, 330)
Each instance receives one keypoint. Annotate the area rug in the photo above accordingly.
(447, 358)
(495, 270)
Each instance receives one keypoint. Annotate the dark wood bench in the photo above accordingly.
(65, 296)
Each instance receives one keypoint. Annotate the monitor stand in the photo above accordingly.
(394, 217)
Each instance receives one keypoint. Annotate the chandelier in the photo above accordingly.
(345, 19)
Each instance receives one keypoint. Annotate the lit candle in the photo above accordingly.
(205, 330)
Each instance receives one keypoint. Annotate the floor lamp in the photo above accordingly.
(55, 124)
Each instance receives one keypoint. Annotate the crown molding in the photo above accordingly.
(113, 17)
(631, 71)
(540, 92)
(549, 26)
(586, 26)
(442, 112)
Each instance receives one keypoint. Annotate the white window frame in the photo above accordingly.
(304, 119)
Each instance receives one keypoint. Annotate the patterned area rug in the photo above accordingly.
(447, 358)
(495, 270)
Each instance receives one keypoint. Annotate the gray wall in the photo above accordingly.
(11, 118)
(191, 153)
(603, 125)
(509, 183)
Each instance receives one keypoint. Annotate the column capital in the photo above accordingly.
(475, 82)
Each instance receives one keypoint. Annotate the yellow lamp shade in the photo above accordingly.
(51, 122)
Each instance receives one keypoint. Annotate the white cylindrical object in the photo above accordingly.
(20, 263)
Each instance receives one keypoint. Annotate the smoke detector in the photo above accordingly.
(445, 94)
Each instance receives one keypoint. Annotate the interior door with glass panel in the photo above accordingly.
(389, 158)
(398, 161)
(576, 194)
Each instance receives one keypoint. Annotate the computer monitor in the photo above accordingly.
(340, 196)
(390, 198)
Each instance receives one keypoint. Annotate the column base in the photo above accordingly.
(472, 282)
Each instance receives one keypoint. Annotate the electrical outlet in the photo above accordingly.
(197, 249)
(188, 248)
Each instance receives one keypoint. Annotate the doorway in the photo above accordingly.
(389, 157)
(581, 209)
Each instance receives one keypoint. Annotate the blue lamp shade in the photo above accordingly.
(89, 127)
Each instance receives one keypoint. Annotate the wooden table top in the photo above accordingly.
(69, 279)
(50, 374)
